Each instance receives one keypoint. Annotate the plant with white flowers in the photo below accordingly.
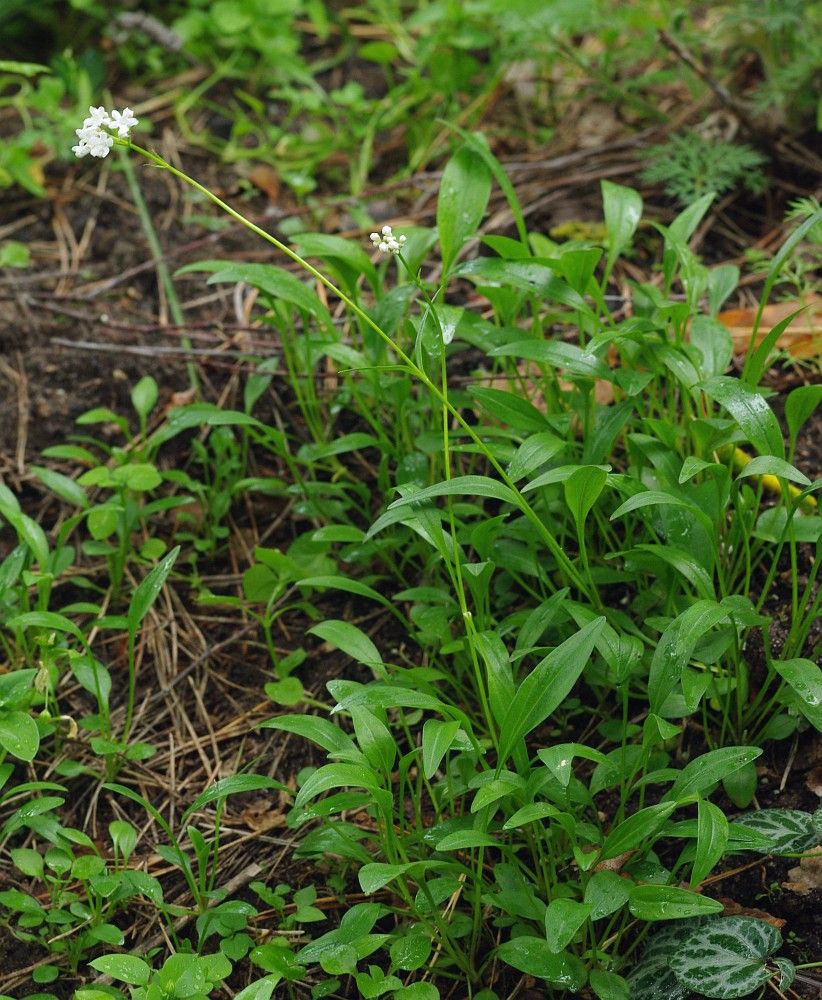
(386, 242)
(93, 137)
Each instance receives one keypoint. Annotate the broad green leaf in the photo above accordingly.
(705, 771)
(563, 919)
(510, 409)
(767, 465)
(350, 639)
(558, 759)
(463, 197)
(49, 620)
(29, 532)
(312, 727)
(727, 958)
(500, 678)
(676, 647)
(392, 696)
(478, 144)
(684, 225)
(740, 787)
(235, 784)
(349, 585)
(582, 490)
(334, 248)
(578, 267)
(339, 446)
(467, 486)
(548, 684)
(19, 735)
(23, 68)
(758, 357)
(722, 280)
(635, 829)
(62, 486)
(656, 498)
(711, 840)
(668, 902)
(805, 678)
(789, 831)
(437, 738)
(685, 564)
(376, 876)
(463, 840)
(606, 893)
(558, 354)
(200, 415)
(335, 776)
(126, 968)
(533, 956)
(531, 276)
(609, 985)
(376, 741)
(799, 405)
(278, 284)
(144, 396)
(149, 588)
(750, 410)
(532, 813)
(622, 207)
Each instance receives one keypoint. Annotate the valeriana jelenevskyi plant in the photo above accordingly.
(590, 538)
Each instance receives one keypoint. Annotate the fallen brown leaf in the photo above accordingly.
(802, 339)
(807, 876)
(734, 909)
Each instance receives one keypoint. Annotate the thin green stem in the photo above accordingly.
(556, 550)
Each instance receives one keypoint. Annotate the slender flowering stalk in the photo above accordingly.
(542, 529)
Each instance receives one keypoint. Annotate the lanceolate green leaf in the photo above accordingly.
(799, 405)
(349, 639)
(726, 958)
(19, 735)
(711, 840)
(705, 771)
(149, 587)
(467, 486)
(235, 784)
(335, 776)
(463, 197)
(676, 646)
(546, 686)
(805, 677)
(635, 829)
(582, 489)
(750, 410)
(533, 956)
(669, 902)
(623, 210)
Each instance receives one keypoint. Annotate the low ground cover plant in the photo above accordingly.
(586, 531)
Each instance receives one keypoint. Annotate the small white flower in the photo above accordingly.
(97, 117)
(123, 121)
(386, 242)
(99, 143)
(94, 137)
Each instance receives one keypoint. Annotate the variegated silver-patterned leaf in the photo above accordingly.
(727, 957)
(790, 831)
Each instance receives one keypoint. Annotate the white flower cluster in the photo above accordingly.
(93, 137)
(386, 242)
